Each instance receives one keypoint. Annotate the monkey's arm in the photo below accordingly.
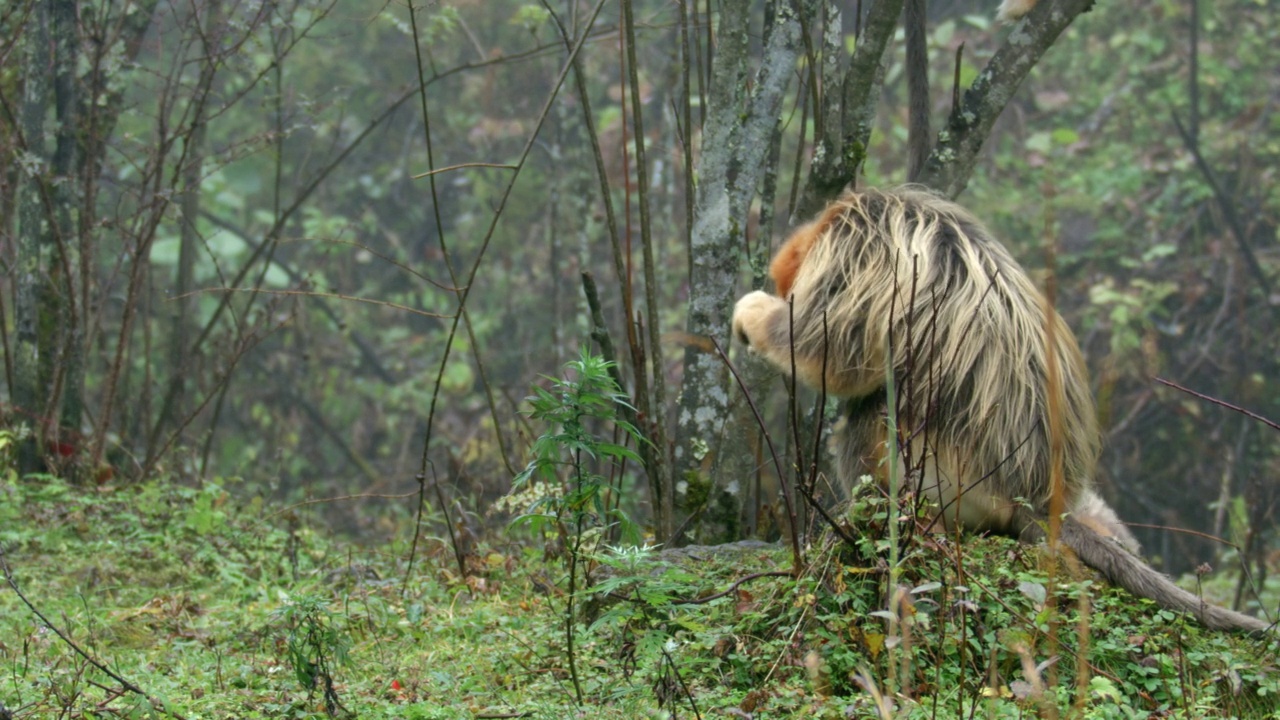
(764, 322)
(754, 317)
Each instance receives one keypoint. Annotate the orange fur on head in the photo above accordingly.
(786, 264)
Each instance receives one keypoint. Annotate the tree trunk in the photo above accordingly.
(734, 149)
(32, 236)
(68, 195)
(181, 302)
(53, 236)
(841, 147)
(953, 158)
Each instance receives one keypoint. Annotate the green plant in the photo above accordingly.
(564, 457)
(565, 461)
(638, 594)
(316, 641)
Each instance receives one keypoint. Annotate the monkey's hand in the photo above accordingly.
(752, 315)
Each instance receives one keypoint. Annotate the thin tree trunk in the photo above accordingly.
(181, 302)
(917, 68)
(32, 234)
(735, 146)
(67, 194)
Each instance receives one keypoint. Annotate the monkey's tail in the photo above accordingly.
(1127, 570)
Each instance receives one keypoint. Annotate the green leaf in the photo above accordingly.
(617, 451)
(1065, 136)
(1159, 250)
(1101, 687)
(1039, 142)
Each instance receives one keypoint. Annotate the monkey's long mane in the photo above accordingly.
(912, 272)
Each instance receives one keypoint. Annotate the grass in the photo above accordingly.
(211, 606)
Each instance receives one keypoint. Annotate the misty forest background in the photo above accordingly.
(224, 258)
(303, 306)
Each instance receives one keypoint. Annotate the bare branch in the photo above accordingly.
(951, 163)
(1222, 403)
(155, 702)
(840, 151)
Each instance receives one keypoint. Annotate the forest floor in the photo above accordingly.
(166, 601)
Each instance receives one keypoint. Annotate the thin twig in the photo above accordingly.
(1234, 408)
(671, 663)
(218, 390)
(465, 288)
(1185, 531)
(657, 365)
(342, 498)
(796, 556)
(331, 295)
(461, 166)
(737, 583)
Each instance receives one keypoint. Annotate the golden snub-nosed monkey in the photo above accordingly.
(974, 340)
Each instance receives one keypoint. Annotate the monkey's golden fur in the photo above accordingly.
(910, 281)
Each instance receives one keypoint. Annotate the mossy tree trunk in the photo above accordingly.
(740, 121)
(62, 125)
